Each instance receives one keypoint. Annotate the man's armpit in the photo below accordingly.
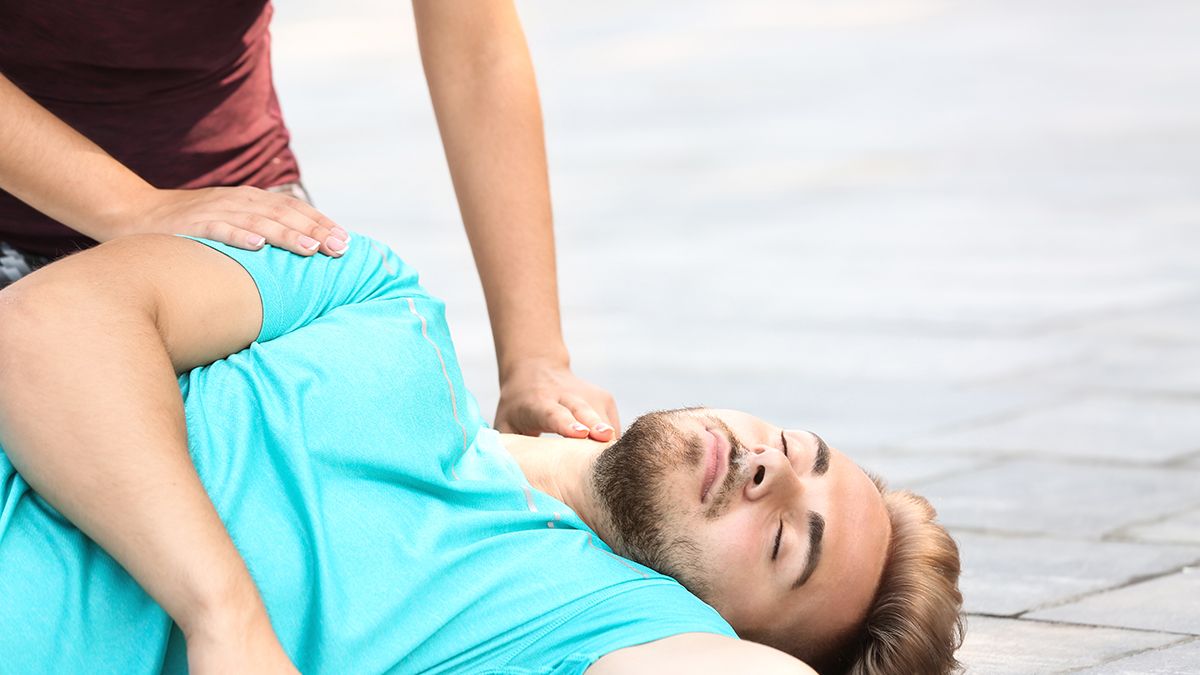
(208, 305)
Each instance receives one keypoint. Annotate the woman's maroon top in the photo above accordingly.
(179, 91)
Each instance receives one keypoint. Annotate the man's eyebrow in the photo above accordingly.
(821, 461)
(816, 532)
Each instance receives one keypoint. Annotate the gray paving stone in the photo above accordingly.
(908, 288)
(909, 471)
(837, 408)
(1071, 500)
(1161, 363)
(1005, 646)
(725, 334)
(1180, 659)
(1007, 575)
(1170, 603)
(1174, 325)
(1183, 528)
(642, 120)
(1127, 429)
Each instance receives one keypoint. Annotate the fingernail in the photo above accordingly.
(340, 234)
(336, 245)
(579, 427)
(601, 428)
(309, 243)
(256, 240)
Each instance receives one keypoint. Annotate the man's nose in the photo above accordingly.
(770, 473)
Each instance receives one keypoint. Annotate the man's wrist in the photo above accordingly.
(218, 614)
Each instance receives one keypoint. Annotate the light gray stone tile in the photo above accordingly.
(909, 471)
(851, 414)
(1170, 603)
(938, 208)
(1183, 528)
(1073, 500)
(1116, 363)
(1007, 575)
(1128, 429)
(826, 285)
(1180, 659)
(745, 333)
(1152, 327)
(1004, 646)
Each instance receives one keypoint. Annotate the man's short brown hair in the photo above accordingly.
(914, 624)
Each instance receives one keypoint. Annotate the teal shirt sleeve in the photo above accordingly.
(295, 290)
(638, 613)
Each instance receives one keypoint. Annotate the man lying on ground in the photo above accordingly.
(336, 501)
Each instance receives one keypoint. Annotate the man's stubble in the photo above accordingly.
(631, 482)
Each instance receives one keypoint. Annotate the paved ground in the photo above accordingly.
(960, 239)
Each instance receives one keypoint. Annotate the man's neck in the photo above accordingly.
(562, 468)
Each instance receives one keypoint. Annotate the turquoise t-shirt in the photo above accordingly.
(386, 527)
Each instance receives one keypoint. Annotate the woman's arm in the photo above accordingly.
(92, 417)
(486, 100)
(54, 169)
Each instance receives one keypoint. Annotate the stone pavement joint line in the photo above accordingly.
(1132, 653)
(1129, 582)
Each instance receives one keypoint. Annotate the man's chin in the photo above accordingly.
(630, 477)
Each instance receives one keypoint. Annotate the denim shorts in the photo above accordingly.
(15, 263)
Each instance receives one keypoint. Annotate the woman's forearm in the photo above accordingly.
(92, 417)
(485, 96)
(50, 166)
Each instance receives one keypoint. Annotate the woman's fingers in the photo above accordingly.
(563, 421)
(227, 233)
(241, 216)
(244, 217)
(278, 234)
(242, 230)
(594, 425)
(537, 396)
(239, 237)
(287, 222)
(532, 420)
(322, 221)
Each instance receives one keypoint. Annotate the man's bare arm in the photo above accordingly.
(699, 653)
(92, 417)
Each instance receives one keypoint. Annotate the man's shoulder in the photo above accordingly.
(698, 653)
(296, 290)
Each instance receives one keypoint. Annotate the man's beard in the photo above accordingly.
(629, 478)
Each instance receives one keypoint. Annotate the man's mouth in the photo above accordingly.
(716, 453)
